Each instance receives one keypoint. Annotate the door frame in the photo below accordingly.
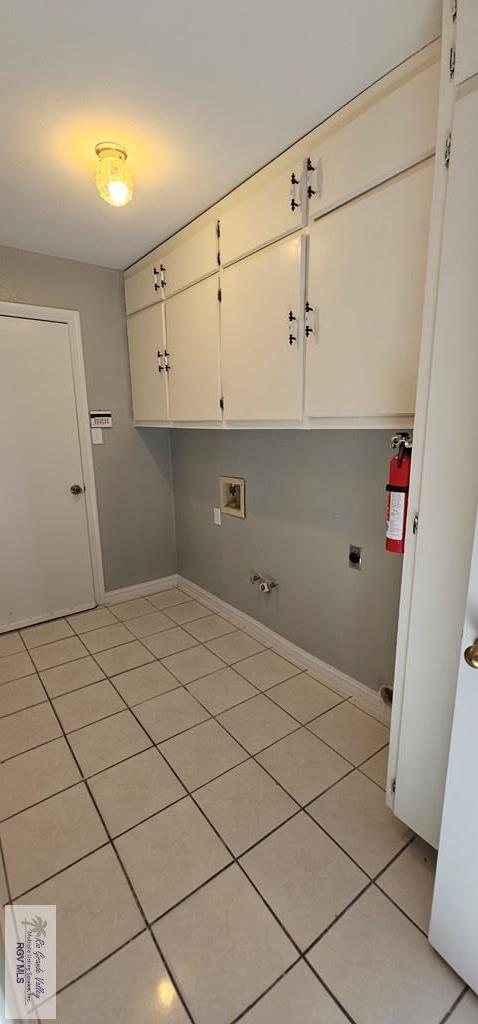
(71, 319)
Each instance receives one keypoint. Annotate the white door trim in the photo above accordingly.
(71, 318)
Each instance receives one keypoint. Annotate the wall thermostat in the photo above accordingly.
(100, 418)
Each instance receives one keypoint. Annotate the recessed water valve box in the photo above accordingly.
(232, 496)
(355, 557)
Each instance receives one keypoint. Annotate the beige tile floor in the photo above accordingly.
(210, 822)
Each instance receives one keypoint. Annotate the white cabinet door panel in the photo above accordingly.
(466, 40)
(148, 378)
(192, 333)
(394, 132)
(261, 369)
(260, 211)
(143, 288)
(366, 279)
(192, 258)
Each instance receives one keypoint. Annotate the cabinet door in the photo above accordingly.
(262, 210)
(393, 132)
(146, 360)
(192, 332)
(143, 287)
(261, 347)
(192, 257)
(365, 285)
(466, 40)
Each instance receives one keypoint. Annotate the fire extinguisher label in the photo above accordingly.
(396, 514)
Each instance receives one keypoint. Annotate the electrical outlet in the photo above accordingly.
(217, 516)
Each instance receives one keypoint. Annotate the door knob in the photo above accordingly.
(471, 655)
(76, 489)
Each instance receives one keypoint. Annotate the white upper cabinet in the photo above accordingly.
(365, 286)
(192, 256)
(192, 333)
(465, 57)
(261, 334)
(188, 257)
(355, 195)
(143, 287)
(147, 364)
(379, 138)
(270, 205)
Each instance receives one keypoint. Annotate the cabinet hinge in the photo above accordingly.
(415, 524)
(393, 787)
(218, 228)
(454, 9)
(219, 294)
(221, 403)
(447, 149)
(451, 62)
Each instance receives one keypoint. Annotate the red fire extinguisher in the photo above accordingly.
(397, 492)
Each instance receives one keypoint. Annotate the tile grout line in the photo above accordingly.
(235, 859)
(212, 716)
(127, 878)
(260, 766)
(264, 693)
(454, 1005)
(4, 863)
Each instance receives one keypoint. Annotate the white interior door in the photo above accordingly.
(45, 558)
(192, 337)
(366, 278)
(146, 342)
(454, 919)
(448, 500)
(261, 347)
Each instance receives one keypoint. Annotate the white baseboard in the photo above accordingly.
(359, 694)
(140, 589)
(362, 696)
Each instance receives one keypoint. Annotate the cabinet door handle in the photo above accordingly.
(294, 191)
(311, 320)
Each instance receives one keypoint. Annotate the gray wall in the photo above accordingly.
(308, 495)
(132, 467)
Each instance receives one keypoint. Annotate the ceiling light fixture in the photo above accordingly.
(113, 178)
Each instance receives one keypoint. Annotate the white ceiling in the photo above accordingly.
(201, 93)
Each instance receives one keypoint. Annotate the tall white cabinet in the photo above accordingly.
(262, 334)
(192, 330)
(146, 338)
(365, 295)
(296, 301)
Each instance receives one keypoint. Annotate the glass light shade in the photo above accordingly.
(113, 178)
